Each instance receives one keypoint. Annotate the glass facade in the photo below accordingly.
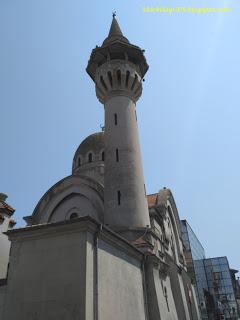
(195, 255)
(221, 288)
(213, 279)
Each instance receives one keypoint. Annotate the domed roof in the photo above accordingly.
(94, 143)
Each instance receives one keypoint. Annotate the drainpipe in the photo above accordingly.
(145, 295)
(95, 265)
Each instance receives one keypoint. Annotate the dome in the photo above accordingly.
(90, 152)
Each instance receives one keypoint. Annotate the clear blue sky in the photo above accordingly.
(188, 115)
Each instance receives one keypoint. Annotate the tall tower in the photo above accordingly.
(117, 68)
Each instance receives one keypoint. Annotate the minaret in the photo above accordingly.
(118, 68)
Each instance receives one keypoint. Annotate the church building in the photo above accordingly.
(96, 247)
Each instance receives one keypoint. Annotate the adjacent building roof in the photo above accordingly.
(152, 199)
(4, 206)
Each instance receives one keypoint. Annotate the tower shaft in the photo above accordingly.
(124, 190)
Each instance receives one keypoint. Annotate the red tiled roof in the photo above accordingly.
(4, 205)
(152, 199)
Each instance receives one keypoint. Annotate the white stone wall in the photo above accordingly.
(57, 272)
(47, 278)
(120, 285)
(4, 247)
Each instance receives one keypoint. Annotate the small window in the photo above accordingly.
(115, 119)
(90, 157)
(117, 155)
(73, 215)
(119, 197)
(103, 156)
(79, 162)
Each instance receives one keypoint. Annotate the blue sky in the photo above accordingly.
(188, 114)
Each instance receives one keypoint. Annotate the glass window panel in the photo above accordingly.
(225, 274)
(224, 267)
(222, 260)
(227, 282)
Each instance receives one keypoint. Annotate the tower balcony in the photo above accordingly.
(118, 77)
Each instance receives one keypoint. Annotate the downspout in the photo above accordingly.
(95, 265)
(145, 295)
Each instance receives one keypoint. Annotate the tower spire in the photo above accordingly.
(115, 32)
(115, 28)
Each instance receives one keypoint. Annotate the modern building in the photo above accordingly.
(221, 289)
(96, 247)
(214, 281)
(236, 285)
(6, 223)
(195, 255)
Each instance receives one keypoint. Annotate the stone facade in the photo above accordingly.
(96, 247)
(6, 222)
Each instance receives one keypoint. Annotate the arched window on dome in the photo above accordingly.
(79, 162)
(90, 157)
(103, 156)
(73, 215)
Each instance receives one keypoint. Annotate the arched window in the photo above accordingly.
(73, 215)
(103, 156)
(79, 162)
(90, 157)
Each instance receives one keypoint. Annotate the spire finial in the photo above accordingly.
(114, 13)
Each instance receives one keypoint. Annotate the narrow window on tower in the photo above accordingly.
(136, 115)
(90, 157)
(117, 155)
(115, 119)
(103, 156)
(119, 197)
